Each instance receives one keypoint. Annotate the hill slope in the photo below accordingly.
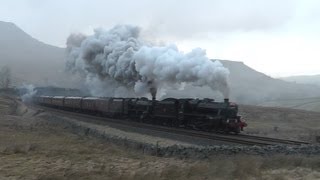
(311, 79)
(249, 86)
(35, 62)
(30, 60)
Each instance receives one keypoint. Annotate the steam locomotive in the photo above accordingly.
(205, 114)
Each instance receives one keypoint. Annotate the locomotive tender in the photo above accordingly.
(205, 114)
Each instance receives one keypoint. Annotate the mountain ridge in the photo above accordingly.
(11, 28)
(30, 60)
(42, 65)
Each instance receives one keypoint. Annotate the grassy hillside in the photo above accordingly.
(309, 104)
(252, 87)
(311, 79)
(30, 60)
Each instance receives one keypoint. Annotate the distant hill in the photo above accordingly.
(41, 64)
(307, 79)
(250, 86)
(30, 60)
(305, 103)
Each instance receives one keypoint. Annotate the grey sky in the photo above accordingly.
(277, 37)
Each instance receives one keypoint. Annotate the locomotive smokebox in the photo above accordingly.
(226, 101)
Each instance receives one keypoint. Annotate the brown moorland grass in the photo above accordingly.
(281, 122)
(31, 149)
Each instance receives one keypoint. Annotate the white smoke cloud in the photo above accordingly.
(30, 92)
(119, 63)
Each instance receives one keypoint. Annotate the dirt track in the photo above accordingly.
(31, 149)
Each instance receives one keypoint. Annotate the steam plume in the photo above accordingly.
(118, 62)
(30, 92)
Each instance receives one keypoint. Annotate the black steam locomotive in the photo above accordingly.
(205, 114)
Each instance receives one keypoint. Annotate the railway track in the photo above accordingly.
(283, 141)
(234, 139)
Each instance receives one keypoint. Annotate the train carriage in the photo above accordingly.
(73, 103)
(102, 105)
(46, 100)
(116, 107)
(113, 106)
(89, 104)
(57, 101)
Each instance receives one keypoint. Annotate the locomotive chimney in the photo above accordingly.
(226, 100)
(153, 92)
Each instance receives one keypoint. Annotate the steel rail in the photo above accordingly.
(283, 141)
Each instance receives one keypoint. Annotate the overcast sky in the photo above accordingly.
(276, 37)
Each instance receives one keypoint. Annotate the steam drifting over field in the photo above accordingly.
(117, 62)
(30, 92)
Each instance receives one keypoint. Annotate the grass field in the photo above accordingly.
(309, 104)
(281, 122)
